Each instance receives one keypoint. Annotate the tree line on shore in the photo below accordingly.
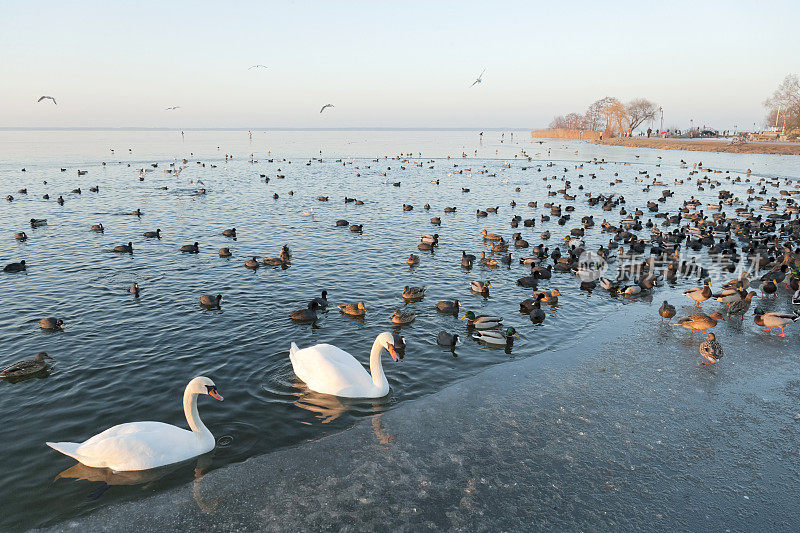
(610, 116)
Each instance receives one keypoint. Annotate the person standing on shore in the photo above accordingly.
(649, 132)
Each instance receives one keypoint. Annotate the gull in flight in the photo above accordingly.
(480, 78)
(47, 98)
(173, 107)
(323, 107)
(257, 66)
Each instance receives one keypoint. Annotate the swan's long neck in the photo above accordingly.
(192, 416)
(375, 366)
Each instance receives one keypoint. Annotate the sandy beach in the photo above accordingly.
(706, 145)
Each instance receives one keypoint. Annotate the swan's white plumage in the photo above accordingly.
(330, 370)
(146, 445)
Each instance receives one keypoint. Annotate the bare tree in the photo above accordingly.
(783, 106)
(641, 110)
(574, 121)
(616, 116)
(558, 122)
(595, 119)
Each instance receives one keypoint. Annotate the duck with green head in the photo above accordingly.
(482, 321)
(497, 338)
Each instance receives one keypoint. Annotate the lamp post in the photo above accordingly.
(661, 109)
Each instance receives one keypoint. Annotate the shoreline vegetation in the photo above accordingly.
(755, 147)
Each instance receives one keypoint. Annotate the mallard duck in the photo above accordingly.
(124, 248)
(743, 279)
(413, 259)
(491, 236)
(413, 293)
(229, 232)
(699, 294)
(446, 339)
(489, 262)
(481, 287)
(252, 264)
(482, 321)
(776, 275)
(548, 297)
(211, 302)
(322, 301)
(498, 246)
(26, 367)
(353, 309)
(630, 290)
(308, 314)
(403, 317)
(711, 350)
(774, 320)
(648, 282)
(152, 234)
(700, 321)
(191, 248)
(446, 306)
(497, 338)
(431, 239)
(666, 311)
(51, 323)
(225, 252)
(729, 296)
(98, 227)
(740, 307)
(273, 261)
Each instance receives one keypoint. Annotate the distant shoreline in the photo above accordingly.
(267, 129)
(706, 145)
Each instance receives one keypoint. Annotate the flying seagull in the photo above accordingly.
(257, 66)
(323, 107)
(173, 107)
(47, 98)
(480, 78)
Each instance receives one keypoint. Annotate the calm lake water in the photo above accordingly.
(122, 359)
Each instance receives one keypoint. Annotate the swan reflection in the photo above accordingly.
(325, 407)
(109, 478)
(328, 408)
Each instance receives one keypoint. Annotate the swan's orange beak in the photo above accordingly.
(214, 394)
(393, 352)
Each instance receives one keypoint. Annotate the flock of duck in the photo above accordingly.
(628, 266)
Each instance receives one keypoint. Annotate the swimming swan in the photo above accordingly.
(144, 445)
(330, 370)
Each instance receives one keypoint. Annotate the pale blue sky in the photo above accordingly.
(387, 64)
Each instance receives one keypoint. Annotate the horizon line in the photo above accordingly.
(282, 128)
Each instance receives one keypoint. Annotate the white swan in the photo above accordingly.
(145, 445)
(330, 370)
